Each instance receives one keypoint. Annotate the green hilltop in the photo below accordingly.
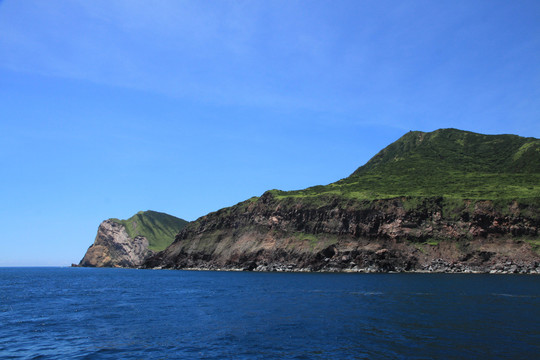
(159, 228)
(448, 162)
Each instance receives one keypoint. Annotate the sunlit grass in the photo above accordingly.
(448, 163)
(159, 228)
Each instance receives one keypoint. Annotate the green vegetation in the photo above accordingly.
(432, 242)
(316, 242)
(159, 228)
(450, 163)
(313, 240)
(535, 243)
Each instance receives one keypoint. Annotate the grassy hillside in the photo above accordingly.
(447, 162)
(159, 228)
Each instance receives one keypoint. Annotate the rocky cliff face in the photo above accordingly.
(448, 200)
(127, 243)
(400, 234)
(114, 248)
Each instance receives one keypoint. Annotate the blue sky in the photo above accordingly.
(185, 107)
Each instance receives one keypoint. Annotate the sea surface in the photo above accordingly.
(83, 313)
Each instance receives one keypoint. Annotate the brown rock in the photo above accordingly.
(114, 248)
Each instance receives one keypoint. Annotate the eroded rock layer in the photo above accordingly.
(400, 234)
(114, 248)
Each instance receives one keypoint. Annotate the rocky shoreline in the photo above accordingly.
(382, 261)
(436, 267)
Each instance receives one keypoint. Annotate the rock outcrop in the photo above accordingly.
(127, 243)
(114, 248)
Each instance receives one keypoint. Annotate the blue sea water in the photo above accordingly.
(81, 313)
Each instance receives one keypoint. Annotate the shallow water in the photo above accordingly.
(82, 313)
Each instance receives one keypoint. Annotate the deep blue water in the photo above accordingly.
(78, 313)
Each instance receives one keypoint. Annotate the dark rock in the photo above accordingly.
(272, 234)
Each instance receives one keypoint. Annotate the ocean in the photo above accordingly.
(87, 313)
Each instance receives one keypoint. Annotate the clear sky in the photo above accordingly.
(110, 107)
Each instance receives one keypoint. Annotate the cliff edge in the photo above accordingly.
(127, 243)
(449, 201)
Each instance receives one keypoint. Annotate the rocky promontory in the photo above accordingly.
(127, 243)
(114, 248)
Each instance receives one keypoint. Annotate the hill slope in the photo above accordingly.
(159, 228)
(127, 243)
(448, 200)
(446, 162)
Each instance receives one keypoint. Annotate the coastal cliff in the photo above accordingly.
(450, 201)
(127, 243)
(269, 234)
